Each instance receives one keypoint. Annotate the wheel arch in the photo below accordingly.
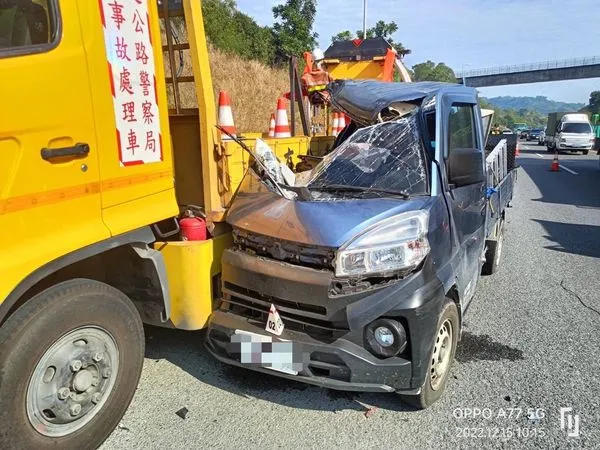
(124, 252)
(453, 295)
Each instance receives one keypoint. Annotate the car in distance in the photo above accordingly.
(533, 134)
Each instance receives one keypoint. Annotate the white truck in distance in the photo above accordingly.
(569, 131)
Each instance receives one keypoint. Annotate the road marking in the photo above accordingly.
(568, 170)
(541, 156)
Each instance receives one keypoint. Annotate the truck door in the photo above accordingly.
(49, 177)
(123, 47)
(467, 203)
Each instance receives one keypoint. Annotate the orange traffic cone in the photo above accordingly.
(272, 126)
(335, 125)
(282, 125)
(226, 115)
(342, 123)
(555, 167)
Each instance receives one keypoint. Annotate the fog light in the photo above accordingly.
(385, 338)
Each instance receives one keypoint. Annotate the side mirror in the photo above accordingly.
(465, 167)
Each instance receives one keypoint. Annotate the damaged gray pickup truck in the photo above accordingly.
(356, 274)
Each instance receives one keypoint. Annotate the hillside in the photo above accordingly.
(540, 104)
(253, 86)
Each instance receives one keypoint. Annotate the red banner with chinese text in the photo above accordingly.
(133, 80)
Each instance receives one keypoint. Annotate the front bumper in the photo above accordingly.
(325, 330)
(570, 146)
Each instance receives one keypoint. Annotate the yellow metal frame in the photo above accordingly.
(191, 268)
(206, 104)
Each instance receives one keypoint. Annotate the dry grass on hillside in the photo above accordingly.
(253, 87)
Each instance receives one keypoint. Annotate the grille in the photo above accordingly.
(296, 316)
(281, 250)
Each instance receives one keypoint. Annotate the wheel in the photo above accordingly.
(441, 358)
(585, 152)
(71, 359)
(493, 252)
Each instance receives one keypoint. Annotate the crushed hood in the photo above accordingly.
(329, 224)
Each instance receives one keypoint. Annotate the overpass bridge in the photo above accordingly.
(567, 69)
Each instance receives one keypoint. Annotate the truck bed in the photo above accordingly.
(501, 181)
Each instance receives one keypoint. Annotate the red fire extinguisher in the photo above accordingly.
(193, 228)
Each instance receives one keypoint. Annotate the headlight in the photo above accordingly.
(394, 244)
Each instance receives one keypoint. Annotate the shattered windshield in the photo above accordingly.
(386, 157)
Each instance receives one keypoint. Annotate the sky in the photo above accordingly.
(473, 34)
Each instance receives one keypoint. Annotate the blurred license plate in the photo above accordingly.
(260, 350)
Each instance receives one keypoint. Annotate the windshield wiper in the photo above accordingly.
(301, 191)
(349, 188)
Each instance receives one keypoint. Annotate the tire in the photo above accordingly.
(585, 152)
(92, 335)
(493, 253)
(433, 388)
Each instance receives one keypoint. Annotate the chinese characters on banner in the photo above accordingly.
(131, 65)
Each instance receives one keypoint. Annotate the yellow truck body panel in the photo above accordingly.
(357, 70)
(191, 270)
(48, 208)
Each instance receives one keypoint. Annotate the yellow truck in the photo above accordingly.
(101, 161)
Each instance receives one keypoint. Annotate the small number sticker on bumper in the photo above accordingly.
(274, 322)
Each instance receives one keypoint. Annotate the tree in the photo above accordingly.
(342, 36)
(594, 106)
(430, 71)
(381, 29)
(233, 32)
(292, 29)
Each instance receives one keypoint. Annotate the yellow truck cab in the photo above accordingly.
(102, 156)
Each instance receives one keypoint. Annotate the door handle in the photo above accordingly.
(78, 149)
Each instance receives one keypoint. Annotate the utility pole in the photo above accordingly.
(364, 19)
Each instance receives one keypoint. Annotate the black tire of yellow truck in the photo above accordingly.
(71, 359)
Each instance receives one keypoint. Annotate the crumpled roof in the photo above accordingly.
(362, 100)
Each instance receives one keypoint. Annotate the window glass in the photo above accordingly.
(577, 127)
(25, 23)
(461, 128)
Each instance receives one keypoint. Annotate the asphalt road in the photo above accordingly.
(531, 346)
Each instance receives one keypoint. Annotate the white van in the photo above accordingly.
(574, 132)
